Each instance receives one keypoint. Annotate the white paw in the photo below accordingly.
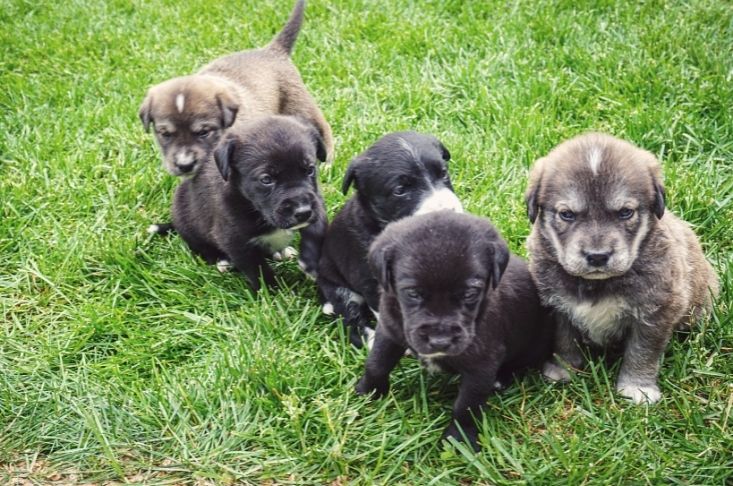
(554, 372)
(328, 309)
(288, 253)
(303, 268)
(223, 266)
(153, 228)
(640, 394)
(277, 256)
(369, 334)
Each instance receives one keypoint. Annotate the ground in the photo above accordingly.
(125, 358)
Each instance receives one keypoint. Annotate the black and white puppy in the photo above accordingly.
(262, 188)
(403, 173)
(454, 296)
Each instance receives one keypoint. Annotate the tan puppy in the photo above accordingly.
(618, 271)
(191, 113)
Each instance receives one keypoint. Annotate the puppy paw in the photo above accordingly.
(328, 309)
(555, 372)
(640, 394)
(223, 266)
(153, 229)
(366, 387)
(309, 272)
(452, 432)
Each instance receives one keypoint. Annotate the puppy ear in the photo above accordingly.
(144, 112)
(381, 255)
(659, 196)
(655, 173)
(533, 188)
(498, 260)
(222, 156)
(350, 176)
(228, 108)
(320, 145)
(443, 151)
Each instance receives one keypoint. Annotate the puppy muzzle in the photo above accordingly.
(435, 340)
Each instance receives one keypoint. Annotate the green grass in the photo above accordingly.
(122, 357)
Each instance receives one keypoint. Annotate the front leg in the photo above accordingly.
(383, 357)
(637, 378)
(566, 350)
(251, 261)
(311, 241)
(475, 389)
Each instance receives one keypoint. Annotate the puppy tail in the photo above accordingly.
(285, 40)
(161, 229)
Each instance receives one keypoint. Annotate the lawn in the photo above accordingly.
(125, 358)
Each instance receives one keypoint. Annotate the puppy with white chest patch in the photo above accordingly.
(619, 270)
(262, 188)
(454, 296)
(403, 173)
(191, 113)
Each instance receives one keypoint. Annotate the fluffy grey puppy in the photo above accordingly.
(619, 270)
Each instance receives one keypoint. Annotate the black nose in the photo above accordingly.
(302, 214)
(597, 259)
(186, 168)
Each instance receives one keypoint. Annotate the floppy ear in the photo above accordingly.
(530, 197)
(228, 108)
(381, 255)
(320, 145)
(443, 151)
(144, 112)
(222, 156)
(350, 176)
(658, 200)
(498, 261)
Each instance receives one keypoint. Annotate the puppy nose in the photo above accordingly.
(185, 168)
(302, 213)
(597, 259)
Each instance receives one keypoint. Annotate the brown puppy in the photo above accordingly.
(191, 113)
(616, 268)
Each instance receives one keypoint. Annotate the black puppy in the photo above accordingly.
(265, 188)
(403, 173)
(453, 294)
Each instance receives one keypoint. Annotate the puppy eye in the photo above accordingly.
(625, 213)
(413, 294)
(266, 180)
(165, 135)
(203, 133)
(567, 215)
(310, 170)
(400, 191)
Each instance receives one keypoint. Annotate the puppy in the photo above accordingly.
(191, 113)
(453, 294)
(618, 270)
(403, 173)
(261, 189)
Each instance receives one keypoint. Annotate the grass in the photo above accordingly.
(124, 358)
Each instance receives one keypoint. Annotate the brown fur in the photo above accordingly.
(191, 113)
(613, 280)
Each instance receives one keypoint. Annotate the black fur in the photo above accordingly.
(411, 161)
(264, 180)
(451, 287)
